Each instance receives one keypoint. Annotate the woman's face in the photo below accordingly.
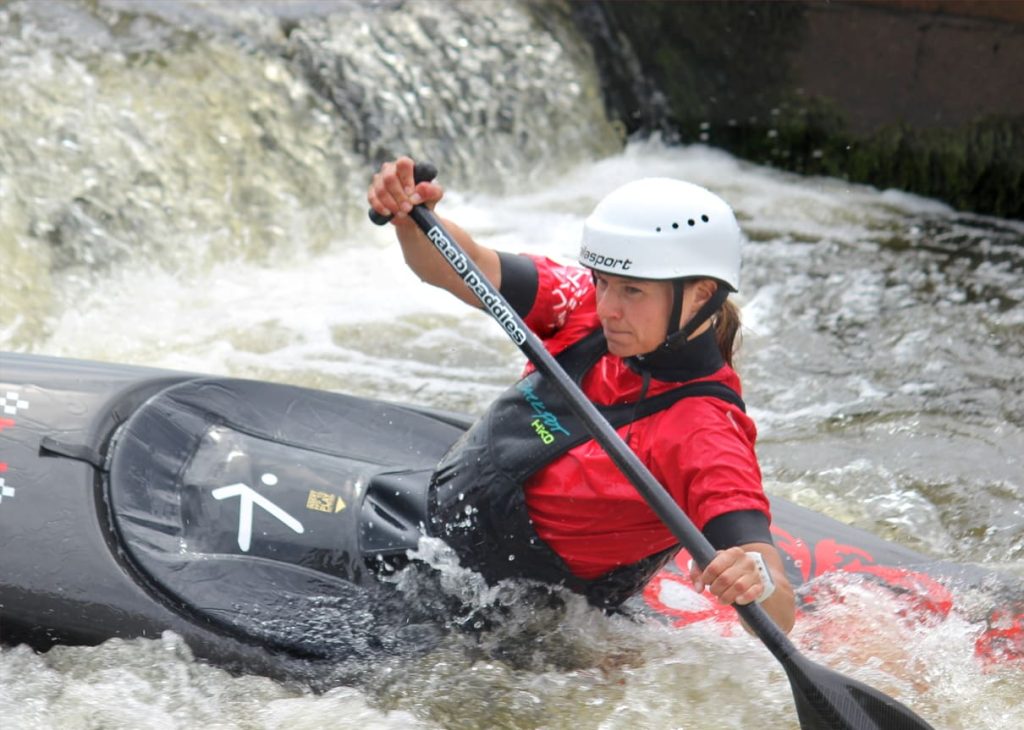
(633, 312)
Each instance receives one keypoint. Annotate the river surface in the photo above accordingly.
(181, 185)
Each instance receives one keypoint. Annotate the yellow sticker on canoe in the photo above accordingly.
(324, 502)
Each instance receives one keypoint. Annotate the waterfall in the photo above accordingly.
(196, 133)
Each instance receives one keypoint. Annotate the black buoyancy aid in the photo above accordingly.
(476, 502)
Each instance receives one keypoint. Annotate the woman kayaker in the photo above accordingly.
(645, 328)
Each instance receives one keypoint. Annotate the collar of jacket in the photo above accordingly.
(696, 358)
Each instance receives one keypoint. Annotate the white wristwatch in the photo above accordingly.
(765, 574)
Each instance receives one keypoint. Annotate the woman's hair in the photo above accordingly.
(727, 329)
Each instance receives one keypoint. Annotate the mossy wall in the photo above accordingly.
(887, 93)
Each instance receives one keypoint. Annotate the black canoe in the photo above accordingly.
(248, 516)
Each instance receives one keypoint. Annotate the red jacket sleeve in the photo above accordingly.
(560, 292)
(709, 463)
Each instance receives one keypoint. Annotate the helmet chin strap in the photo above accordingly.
(677, 336)
(677, 308)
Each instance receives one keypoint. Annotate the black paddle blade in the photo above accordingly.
(826, 700)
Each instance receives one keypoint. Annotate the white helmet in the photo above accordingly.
(660, 228)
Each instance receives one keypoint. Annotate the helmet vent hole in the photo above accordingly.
(704, 218)
(675, 225)
(658, 229)
(691, 222)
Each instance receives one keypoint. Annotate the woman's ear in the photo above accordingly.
(703, 290)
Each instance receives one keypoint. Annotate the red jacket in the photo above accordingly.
(701, 449)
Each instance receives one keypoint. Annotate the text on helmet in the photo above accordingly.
(595, 259)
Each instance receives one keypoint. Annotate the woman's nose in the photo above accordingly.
(607, 305)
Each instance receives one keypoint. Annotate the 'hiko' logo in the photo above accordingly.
(546, 421)
(484, 292)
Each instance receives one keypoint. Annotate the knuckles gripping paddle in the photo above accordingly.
(825, 700)
(421, 172)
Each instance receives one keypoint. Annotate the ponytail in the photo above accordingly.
(727, 330)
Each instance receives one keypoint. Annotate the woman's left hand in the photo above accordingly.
(732, 577)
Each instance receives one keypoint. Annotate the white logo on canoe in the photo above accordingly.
(248, 497)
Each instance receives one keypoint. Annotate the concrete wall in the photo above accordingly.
(919, 95)
(883, 65)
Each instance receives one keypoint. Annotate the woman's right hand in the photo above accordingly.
(394, 192)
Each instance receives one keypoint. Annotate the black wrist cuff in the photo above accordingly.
(738, 528)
